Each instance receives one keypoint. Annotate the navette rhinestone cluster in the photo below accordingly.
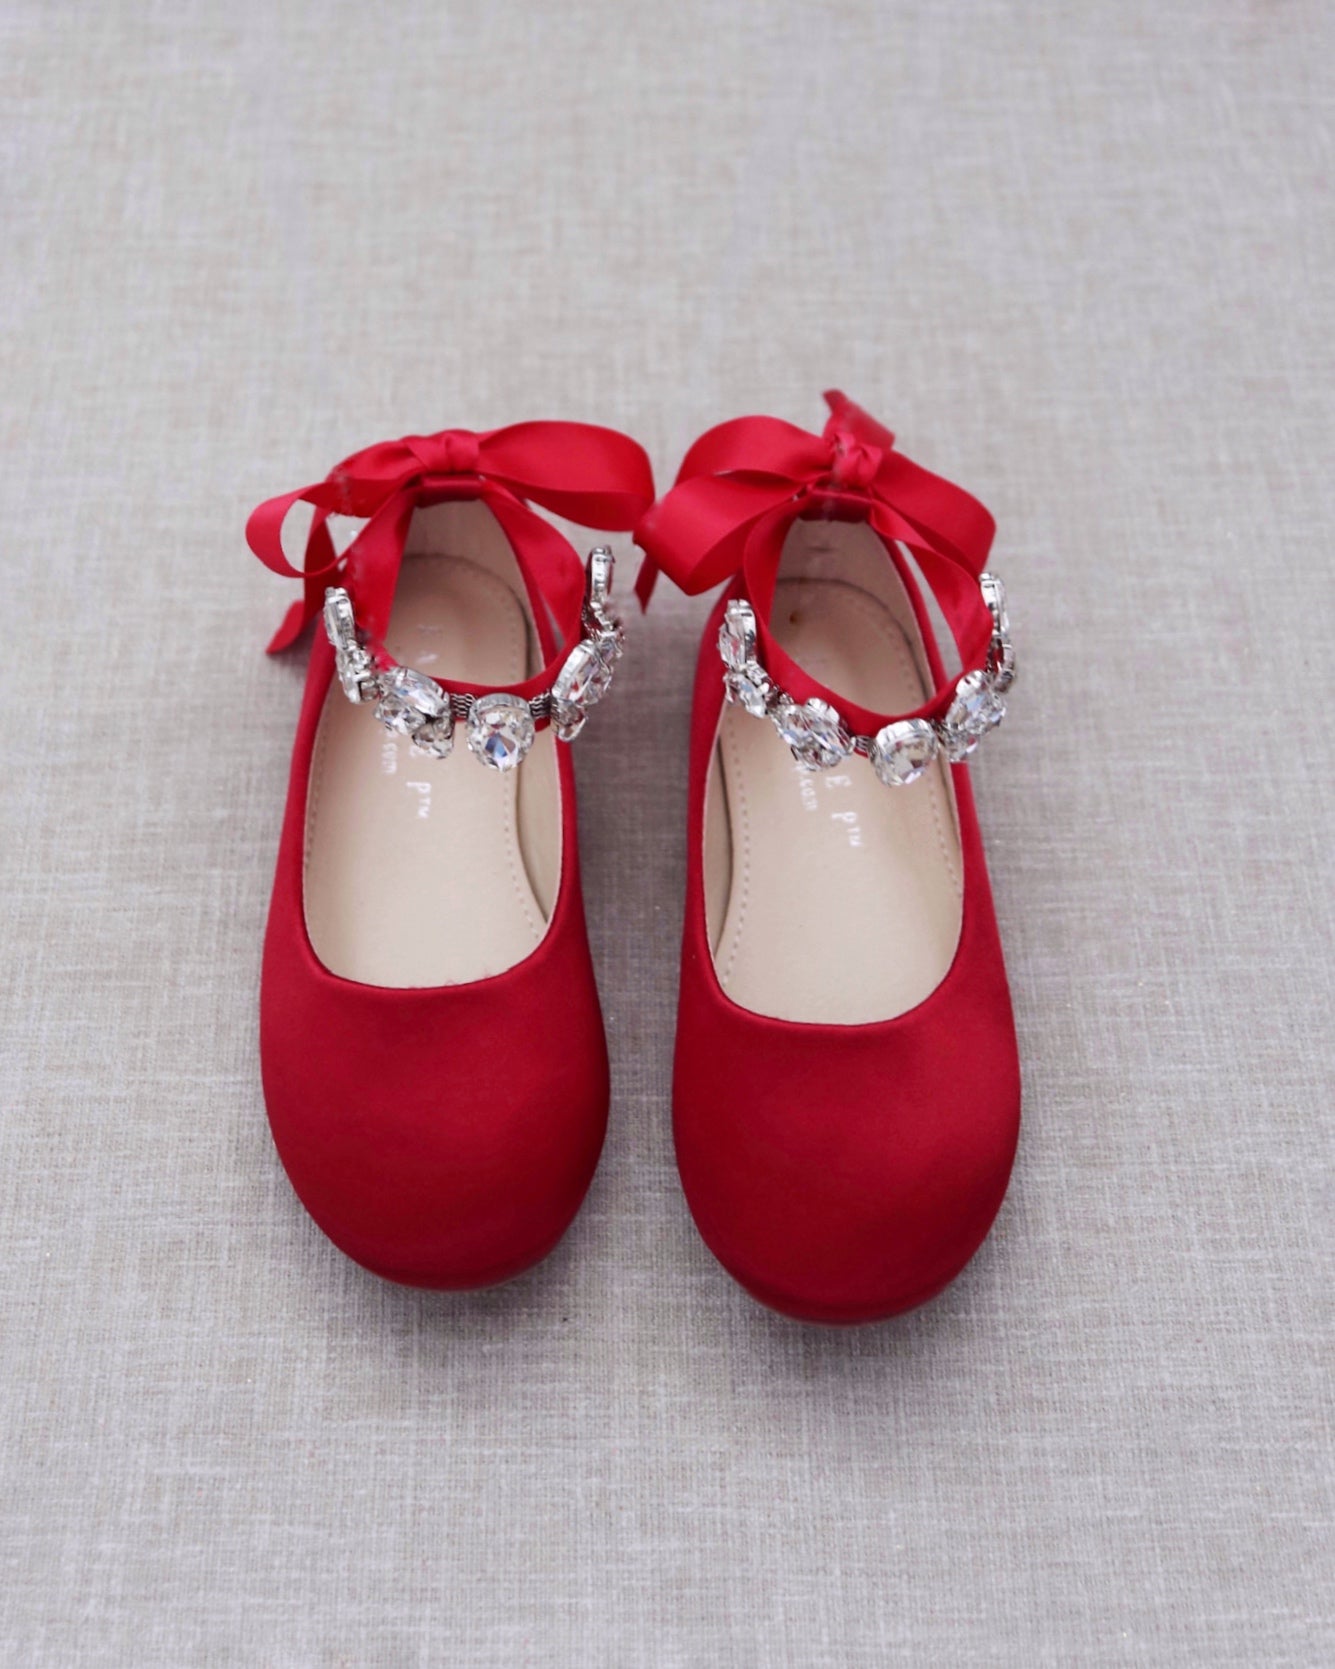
(900, 751)
(586, 674)
(499, 728)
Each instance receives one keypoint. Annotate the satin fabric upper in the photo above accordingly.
(446, 1136)
(443, 1137)
(841, 1172)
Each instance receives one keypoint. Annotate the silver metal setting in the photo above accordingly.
(586, 674)
(500, 727)
(356, 670)
(903, 749)
(745, 681)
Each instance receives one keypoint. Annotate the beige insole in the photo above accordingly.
(832, 897)
(424, 871)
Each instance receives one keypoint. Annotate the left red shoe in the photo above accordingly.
(430, 1034)
(846, 1091)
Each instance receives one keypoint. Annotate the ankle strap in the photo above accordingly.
(901, 749)
(579, 471)
(501, 724)
(739, 490)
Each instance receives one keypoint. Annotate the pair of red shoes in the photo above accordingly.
(846, 1088)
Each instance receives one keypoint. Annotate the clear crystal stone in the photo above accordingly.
(1001, 664)
(975, 710)
(600, 618)
(340, 624)
(957, 745)
(601, 566)
(994, 595)
(436, 736)
(902, 751)
(408, 699)
(977, 705)
(585, 674)
(737, 635)
(355, 668)
(500, 730)
(818, 737)
(611, 640)
(749, 687)
(567, 720)
(356, 673)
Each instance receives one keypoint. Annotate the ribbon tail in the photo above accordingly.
(847, 414)
(320, 564)
(264, 532)
(294, 624)
(645, 581)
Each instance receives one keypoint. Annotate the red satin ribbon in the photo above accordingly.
(587, 474)
(743, 484)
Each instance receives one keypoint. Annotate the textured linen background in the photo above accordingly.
(1078, 256)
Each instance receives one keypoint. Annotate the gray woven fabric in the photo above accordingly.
(1079, 257)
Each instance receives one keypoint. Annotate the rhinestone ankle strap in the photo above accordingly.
(903, 749)
(499, 727)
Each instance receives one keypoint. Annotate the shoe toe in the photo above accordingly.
(438, 1162)
(844, 1195)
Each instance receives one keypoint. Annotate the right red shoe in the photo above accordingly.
(431, 1042)
(846, 1092)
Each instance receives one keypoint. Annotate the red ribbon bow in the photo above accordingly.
(736, 474)
(743, 484)
(584, 473)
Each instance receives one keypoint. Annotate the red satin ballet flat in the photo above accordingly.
(431, 1042)
(846, 1089)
